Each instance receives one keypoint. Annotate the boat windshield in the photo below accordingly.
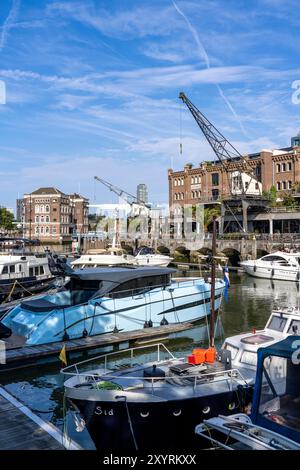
(277, 323)
(280, 392)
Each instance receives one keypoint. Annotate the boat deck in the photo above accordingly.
(171, 385)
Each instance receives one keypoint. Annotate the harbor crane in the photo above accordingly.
(127, 197)
(242, 178)
(137, 205)
(245, 187)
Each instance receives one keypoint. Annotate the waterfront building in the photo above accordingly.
(209, 181)
(53, 216)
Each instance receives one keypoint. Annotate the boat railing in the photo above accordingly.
(120, 355)
(119, 375)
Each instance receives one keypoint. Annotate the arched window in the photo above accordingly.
(47, 218)
(42, 208)
(283, 184)
(284, 167)
(290, 185)
(37, 219)
(175, 182)
(278, 186)
(37, 230)
(37, 208)
(47, 230)
(47, 208)
(278, 167)
(42, 219)
(182, 196)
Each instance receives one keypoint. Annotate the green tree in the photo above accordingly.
(6, 219)
(271, 196)
(288, 200)
(209, 214)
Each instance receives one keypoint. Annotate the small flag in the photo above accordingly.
(63, 355)
(227, 282)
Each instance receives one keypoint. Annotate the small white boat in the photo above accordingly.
(117, 257)
(243, 347)
(147, 257)
(22, 273)
(101, 258)
(279, 265)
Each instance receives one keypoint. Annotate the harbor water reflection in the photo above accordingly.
(249, 305)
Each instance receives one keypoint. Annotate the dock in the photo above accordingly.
(27, 356)
(21, 429)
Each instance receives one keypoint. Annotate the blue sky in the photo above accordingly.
(92, 87)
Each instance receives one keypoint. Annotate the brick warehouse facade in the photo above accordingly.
(209, 181)
(52, 216)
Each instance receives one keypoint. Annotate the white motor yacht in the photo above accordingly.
(278, 265)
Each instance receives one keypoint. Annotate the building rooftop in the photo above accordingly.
(50, 190)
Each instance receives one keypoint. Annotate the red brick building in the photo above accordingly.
(209, 181)
(52, 216)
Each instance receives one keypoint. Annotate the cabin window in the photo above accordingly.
(20, 268)
(294, 327)
(12, 268)
(36, 270)
(42, 271)
(31, 272)
(124, 290)
(140, 285)
(277, 323)
(232, 349)
(274, 258)
(280, 393)
(5, 270)
(249, 357)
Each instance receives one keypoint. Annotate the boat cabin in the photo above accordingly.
(243, 347)
(282, 259)
(277, 388)
(16, 267)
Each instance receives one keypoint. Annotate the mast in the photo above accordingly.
(212, 290)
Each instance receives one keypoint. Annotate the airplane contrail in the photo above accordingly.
(205, 57)
(10, 20)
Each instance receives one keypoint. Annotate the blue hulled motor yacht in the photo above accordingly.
(97, 301)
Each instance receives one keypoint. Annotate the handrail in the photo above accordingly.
(116, 353)
(195, 379)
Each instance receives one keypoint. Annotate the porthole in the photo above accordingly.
(206, 410)
(144, 415)
(177, 413)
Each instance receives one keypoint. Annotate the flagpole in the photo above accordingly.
(212, 289)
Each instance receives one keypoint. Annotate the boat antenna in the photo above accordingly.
(212, 290)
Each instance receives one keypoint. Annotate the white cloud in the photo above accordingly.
(8, 23)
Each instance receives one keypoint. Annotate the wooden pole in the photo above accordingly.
(212, 291)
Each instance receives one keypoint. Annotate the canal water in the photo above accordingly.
(249, 305)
